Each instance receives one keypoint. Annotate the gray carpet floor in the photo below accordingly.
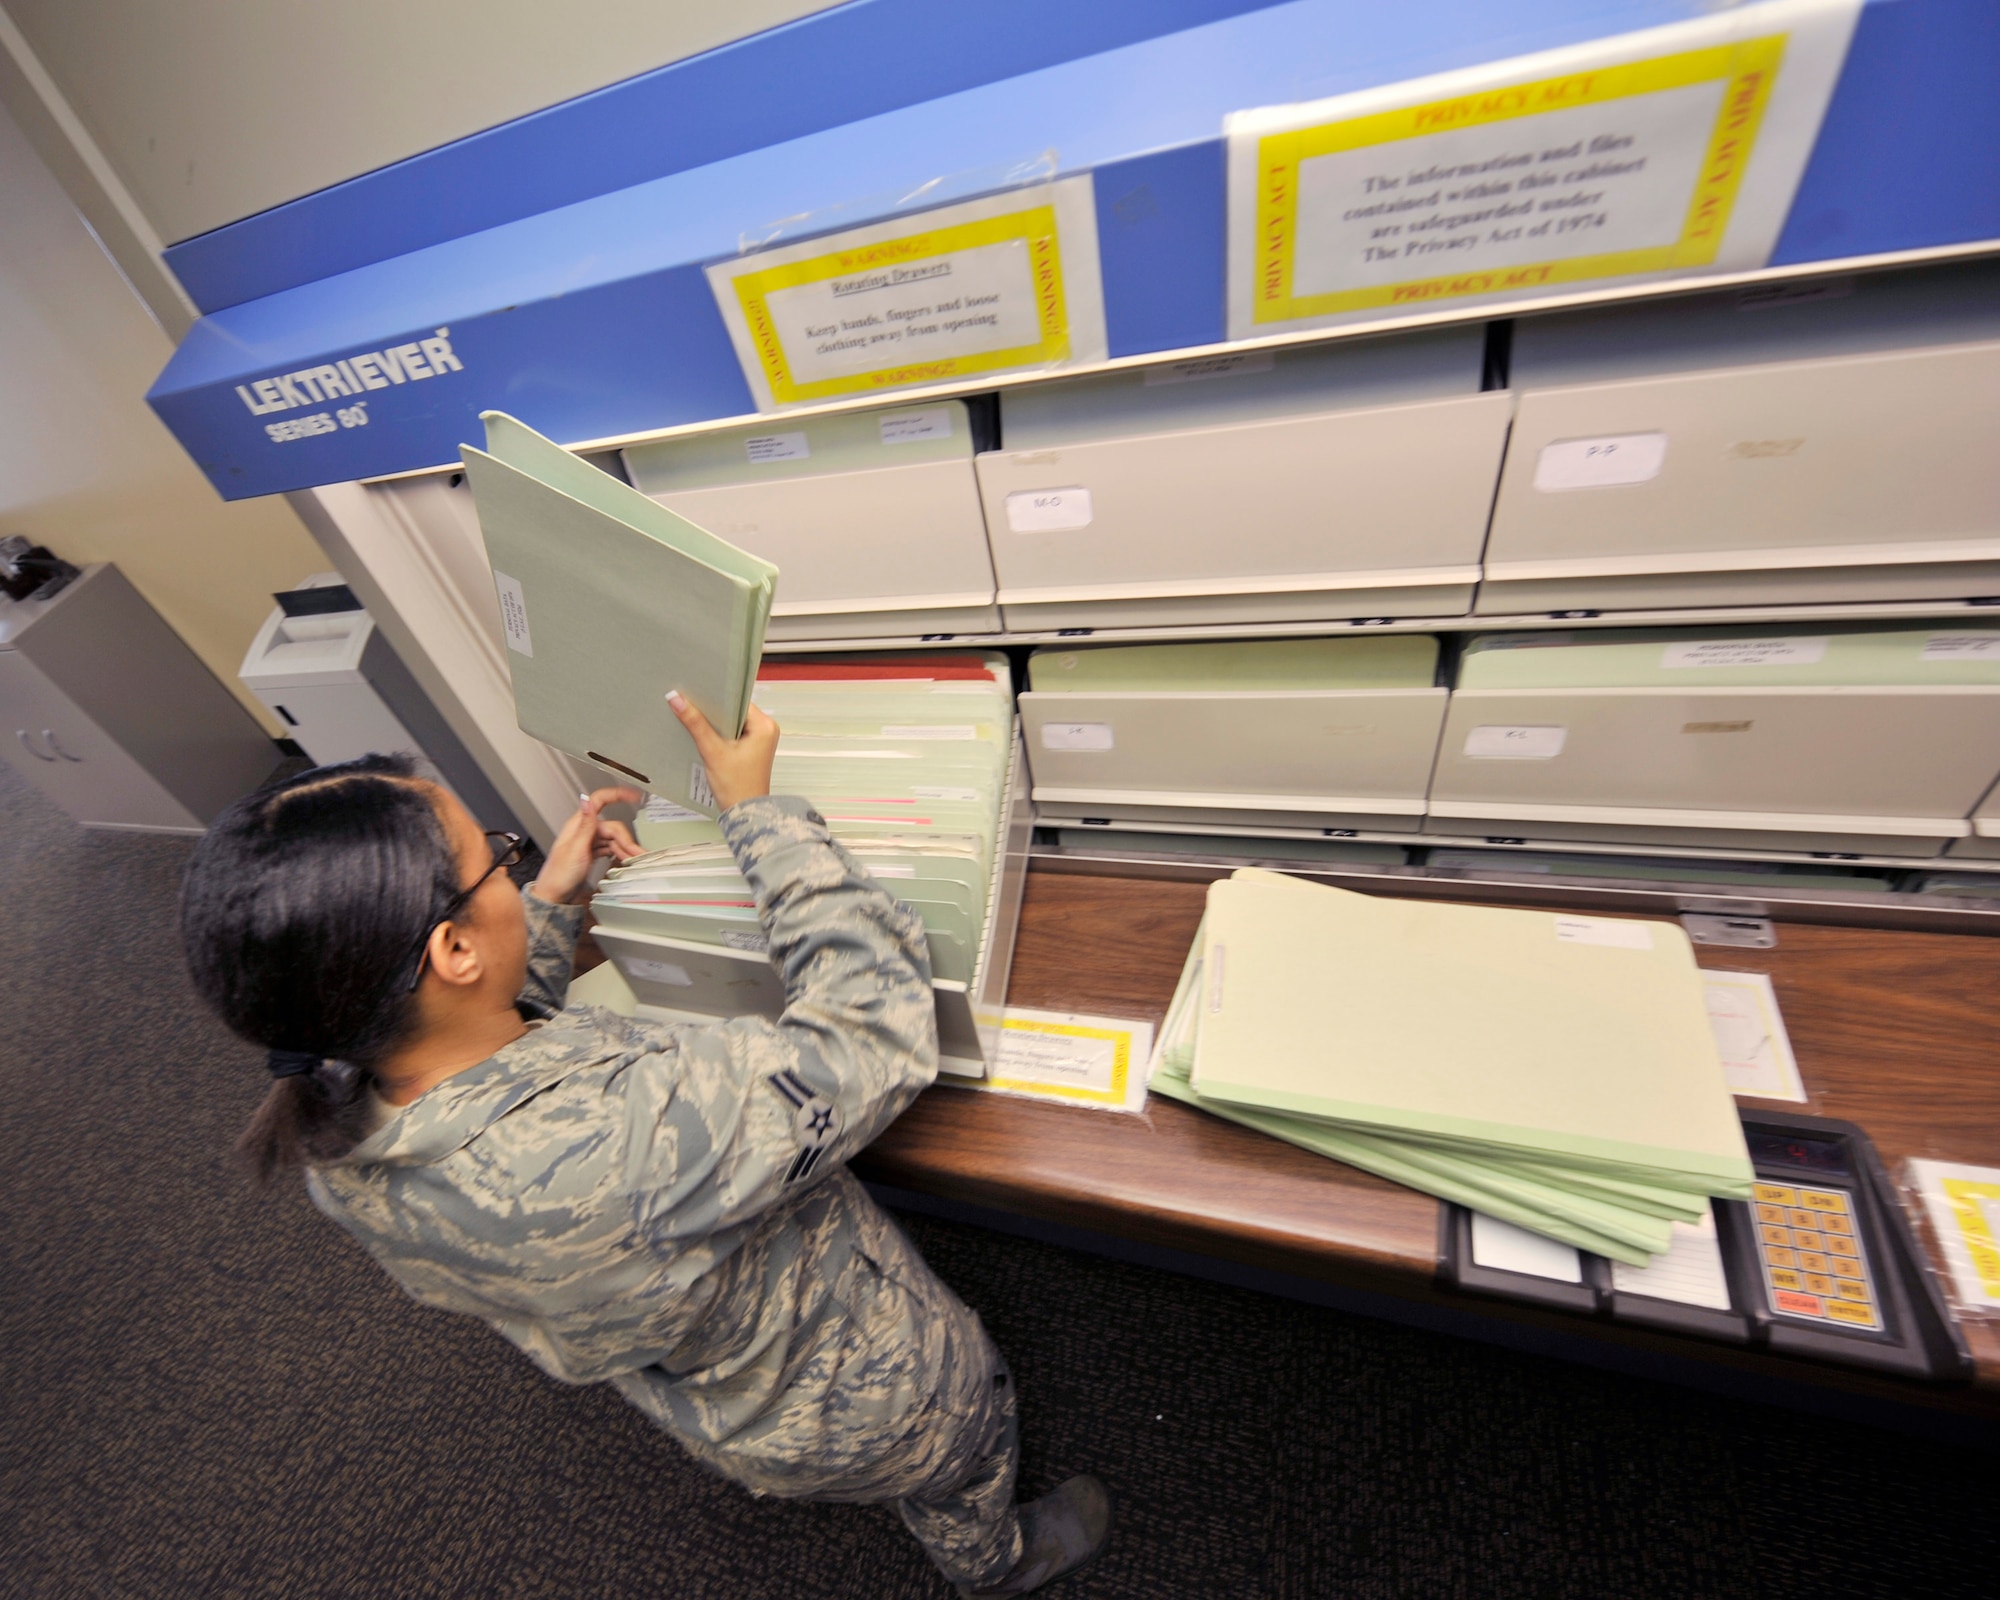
(207, 1391)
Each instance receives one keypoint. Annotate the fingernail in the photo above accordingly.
(582, 799)
(674, 699)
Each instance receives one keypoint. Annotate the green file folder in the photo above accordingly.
(1562, 1041)
(609, 600)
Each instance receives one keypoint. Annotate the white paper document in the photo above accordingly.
(1690, 1272)
(1507, 1248)
(1750, 1036)
(1063, 1056)
(1964, 1207)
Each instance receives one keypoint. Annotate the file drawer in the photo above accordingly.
(872, 518)
(1352, 480)
(1816, 444)
(1275, 733)
(1850, 742)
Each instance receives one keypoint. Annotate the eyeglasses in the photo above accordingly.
(509, 849)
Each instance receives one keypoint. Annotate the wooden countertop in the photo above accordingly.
(1896, 1031)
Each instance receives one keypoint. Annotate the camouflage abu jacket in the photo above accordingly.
(665, 1206)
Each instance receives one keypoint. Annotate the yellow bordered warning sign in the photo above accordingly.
(1601, 163)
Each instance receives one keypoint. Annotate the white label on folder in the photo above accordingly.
(1217, 955)
(698, 789)
(1198, 368)
(514, 613)
(661, 809)
(1605, 931)
(948, 730)
(1962, 647)
(1600, 463)
(761, 447)
(1502, 742)
(1745, 653)
(659, 972)
(1048, 510)
(1076, 736)
(907, 427)
(755, 943)
(926, 791)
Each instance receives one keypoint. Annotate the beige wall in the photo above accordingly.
(210, 110)
(85, 467)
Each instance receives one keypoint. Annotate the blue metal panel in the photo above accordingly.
(841, 65)
(594, 318)
(1908, 157)
(603, 303)
(1162, 208)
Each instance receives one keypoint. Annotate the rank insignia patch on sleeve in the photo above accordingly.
(815, 1121)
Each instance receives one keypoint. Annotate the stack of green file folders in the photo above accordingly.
(905, 757)
(1557, 1072)
(608, 600)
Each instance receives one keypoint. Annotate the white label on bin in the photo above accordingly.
(754, 943)
(659, 972)
(1499, 742)
(1962, 647)
(1600, 463)
(760, 447)
(1605, 931)
(660, 809)
(930, 730)
(930, 791)
(1048, 510)
(1076, 736)
(1745, 653)
(1196, 369)
(907, 427)
(514, 613)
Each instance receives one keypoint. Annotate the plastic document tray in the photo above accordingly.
(873, 517)
(1822, 1263)
(703, 981)
(1784, 443)
(1805, 739)
(1355, 757)
(1352, 480)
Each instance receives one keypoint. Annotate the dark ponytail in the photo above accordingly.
(302, 913)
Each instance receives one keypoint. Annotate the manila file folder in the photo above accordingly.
(609, 600)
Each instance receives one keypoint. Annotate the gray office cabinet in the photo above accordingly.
(1349, 480)
(1783, 444)
(1866, 742)
(872, 518)
(109, 713)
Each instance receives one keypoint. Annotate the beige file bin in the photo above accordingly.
(872, 518)
(1278, 733)
(704, 982)
(1854, 742)
(1756, 447)
(1351, 480)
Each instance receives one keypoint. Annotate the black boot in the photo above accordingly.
(1060, 1532)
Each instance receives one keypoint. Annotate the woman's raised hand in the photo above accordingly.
(738, 769)
(565, 874)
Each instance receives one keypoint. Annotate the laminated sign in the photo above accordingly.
(990, 285)
(1656, 155)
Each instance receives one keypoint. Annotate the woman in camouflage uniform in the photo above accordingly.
(665, 1208)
